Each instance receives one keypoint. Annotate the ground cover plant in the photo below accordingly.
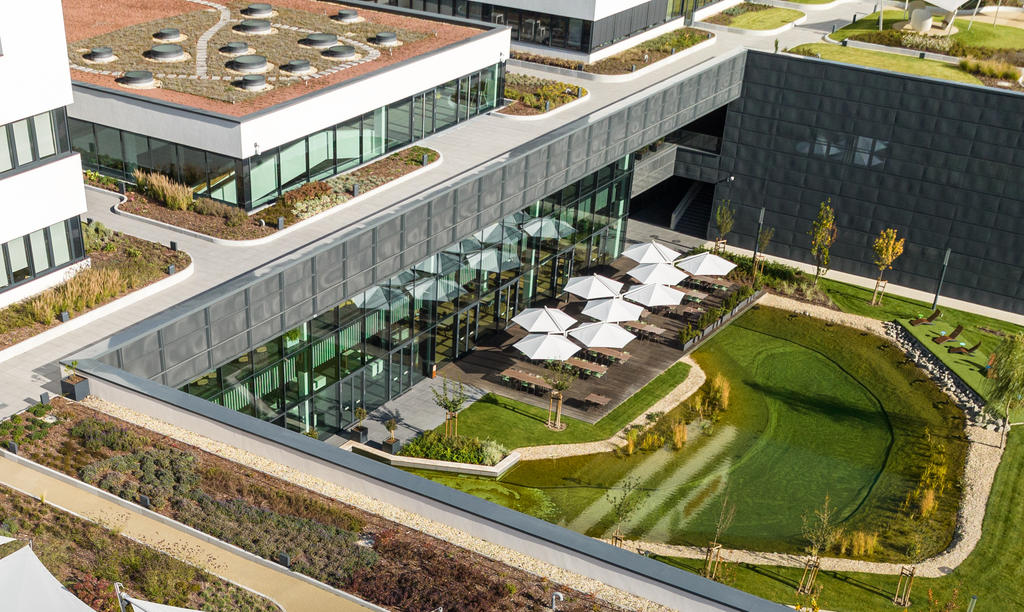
(460, 449)
(991, 571)
(631, 59)
(753, 16)
(814, 409)
(89, 560)
(378, 560)
(886, 61)
(120, 264)
(534, 95)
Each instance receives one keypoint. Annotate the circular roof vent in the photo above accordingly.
(319, 40)
(297, 67)
(100, 54)
(252, 82)
(168, 35)
(386, 39)
(340, 52)
(258, 10)
(137, 78)
(248, 63)
(346, 16)
(165, 53)
(235, 48)
(253, 26)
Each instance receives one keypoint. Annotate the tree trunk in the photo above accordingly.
(558, 412)
(876, 298)
(551, 409)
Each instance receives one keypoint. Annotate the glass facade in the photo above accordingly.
(41, 252)
(260, 179)
(376, 345)
(32, 139)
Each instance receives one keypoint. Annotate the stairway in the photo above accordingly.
(694, 221)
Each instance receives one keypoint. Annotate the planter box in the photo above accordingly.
(358, 434)
(391, 447)
(76, 391)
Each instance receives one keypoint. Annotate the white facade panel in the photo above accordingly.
(40, 197)
(591, 10)
(34, 73)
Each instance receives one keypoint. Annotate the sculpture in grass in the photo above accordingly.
(823, 235)
(1006, 388)
(451, 401)
(561, 377)
(887, 249)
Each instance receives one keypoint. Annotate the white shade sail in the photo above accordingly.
(140, 605)
(546, 227)
(543, 320)
(547, 346)
(658, 273)
(613, 309)
(27, 586)
(593, 287)
(705, 264)
(436, 290)
(651, 252)
(602, 335)
(655, 295)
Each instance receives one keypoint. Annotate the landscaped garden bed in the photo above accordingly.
(231, 223)
(631, 59)
(887, 61)
(120, 264)
(815, 409)
(535, 96)
(378, 560)
(753, 16)
(89, 559)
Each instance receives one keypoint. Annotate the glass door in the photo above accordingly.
(467, 330)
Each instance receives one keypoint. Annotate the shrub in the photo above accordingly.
(863, 543)
(94, 434)
(309, 191)
(460, 449)
(99, 180)
(159, 473)
(991, 69)
(96, 236)
(171, 194)
(232, 215)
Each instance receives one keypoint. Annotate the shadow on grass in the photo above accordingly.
(818, 404)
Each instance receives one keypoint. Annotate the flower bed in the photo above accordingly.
(120, 264)
(645, 53)
(211, 225)
(376, 559)
(460, 449)
(88, 559)
(532, 95)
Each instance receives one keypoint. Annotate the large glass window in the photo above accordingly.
(263, 179)
(40, 259)
(348, 144)
(193, 168)
(18, 259)
(446, 105)
(223, 178)
(399, 124)
(46, 143)
(22, 142)
(108, 142)
(83, 140)
(59, 244)
(321, 155)
(293, 165)
(373, 134)
(6, 159)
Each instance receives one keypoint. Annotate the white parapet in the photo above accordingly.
(42, 196)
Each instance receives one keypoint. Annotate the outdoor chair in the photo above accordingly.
(952, 336)
(960, 350)
(927, 321)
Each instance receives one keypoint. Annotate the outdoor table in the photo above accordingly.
(696, 296)
(717, 283)
(597, 400)
(646, 328)
(527, 377)
(587, 366)
(617, 355)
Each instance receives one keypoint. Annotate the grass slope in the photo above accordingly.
(993, 571)
(514, 424)
(765, 20)
(888, 61)
(981, 34)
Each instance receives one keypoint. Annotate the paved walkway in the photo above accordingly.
(293, 594)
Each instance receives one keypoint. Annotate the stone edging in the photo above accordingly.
(747, 32)
(160, 518)
(490, 471)
(857, 44)
(615, 78)
(542, 115)
(84, 319)
(291, 228)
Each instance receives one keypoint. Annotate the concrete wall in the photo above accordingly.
(41, 196)
(590, 10)
(34, 65)
(950, 174)
(653, 168)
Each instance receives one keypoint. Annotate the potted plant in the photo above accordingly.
(358, 433)
(391, 445)
(74, 385)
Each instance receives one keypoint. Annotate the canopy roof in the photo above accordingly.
(650, 252)
(613, 309)
(140, 605)
(658, 273)
(655, 295)
(706, 264)
(593, 287)
(542, 320)
(547, 346)
(606, 335)
(948, 5)
(27, 586)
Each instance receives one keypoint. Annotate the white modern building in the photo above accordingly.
(40, 177)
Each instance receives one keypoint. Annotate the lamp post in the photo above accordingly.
(757, 240)
(942, 277)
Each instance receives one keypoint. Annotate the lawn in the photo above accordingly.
(887, 61)
(981, 34)
(815, 410)
(634, 58)
(765, 20)
(514, 424)
(992, 572)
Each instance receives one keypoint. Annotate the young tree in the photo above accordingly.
(713, 559)
(764, 238)
(560, 376)
(820, 529)
(451, 402)
(823, 235)
(624, 501)
(1007, 388)
(887, 248)
(725, 218)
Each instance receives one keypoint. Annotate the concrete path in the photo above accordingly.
(293, 594)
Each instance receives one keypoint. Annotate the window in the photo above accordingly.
(18, 259)
(38, 137)
(321, 155)
(59, 244)
(22, 142)
(6, 159)
(870, 152)
(348, 144)
(293, 165)
(263, 179)
(40, 259)
(45, 141)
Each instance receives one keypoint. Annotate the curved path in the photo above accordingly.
(289, 592)
(204, 40)
(983, 455)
